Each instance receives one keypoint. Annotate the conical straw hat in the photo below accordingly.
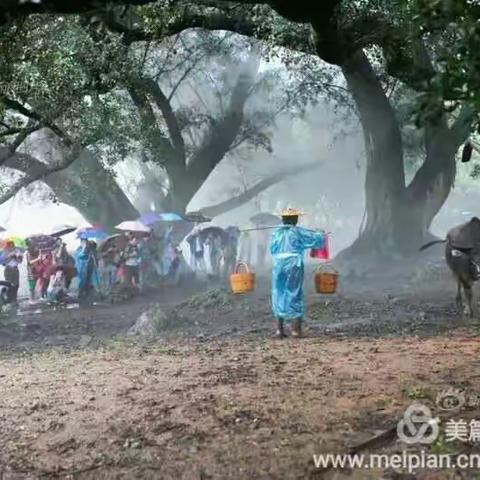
(291, 212)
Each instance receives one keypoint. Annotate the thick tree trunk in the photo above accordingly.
(434, 180)
(398, 218)
(385, 178)
(188, 177)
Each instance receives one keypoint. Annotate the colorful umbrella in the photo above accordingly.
(61, 230)
(19, 242)
(133, 226)
(41, 242)
(170, 217)
(151, 218)
(95, 232)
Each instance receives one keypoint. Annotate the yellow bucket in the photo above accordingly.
(326, 280)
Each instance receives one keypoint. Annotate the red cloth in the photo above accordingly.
(42, 268)
(321, 253)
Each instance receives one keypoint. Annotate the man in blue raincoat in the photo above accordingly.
(86, 265)
(287, 246)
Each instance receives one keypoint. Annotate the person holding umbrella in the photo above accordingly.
(262, 222)
(287, 247)
(32, 259)
(13, 257)
(108, 262)
(44, 245)
(61, 258)
(44, 266)
(132, 259)
(197, 251)
(230, 250)
(132, 254)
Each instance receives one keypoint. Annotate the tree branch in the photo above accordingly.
(185, 75)
(461, 128)
(18, 107)
(221, 15)
(11, 131)
(220, 137)
(165, 107)
(158, 142)
(235, 202)
(32, 174)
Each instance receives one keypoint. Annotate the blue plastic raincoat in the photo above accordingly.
(287, 246)
(87, 273)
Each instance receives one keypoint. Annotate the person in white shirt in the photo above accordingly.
(132, 259)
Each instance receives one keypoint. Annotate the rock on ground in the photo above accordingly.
(152, 322)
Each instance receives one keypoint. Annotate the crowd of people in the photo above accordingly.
(136, 259)
(131, 260)
(213, 251)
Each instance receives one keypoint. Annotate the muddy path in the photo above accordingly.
(43, 326)
(203, 311)
(219, 314)
(213, 396)
(232, 409)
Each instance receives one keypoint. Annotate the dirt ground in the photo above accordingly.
(213, 396)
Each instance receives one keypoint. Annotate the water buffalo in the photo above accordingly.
(462, 253)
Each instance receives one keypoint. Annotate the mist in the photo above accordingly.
(187, 336)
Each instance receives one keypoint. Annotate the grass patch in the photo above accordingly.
(217, 298)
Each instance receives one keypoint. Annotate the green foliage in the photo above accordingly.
(74, 72)
(55, 68)
(455, 22)
(77, 72)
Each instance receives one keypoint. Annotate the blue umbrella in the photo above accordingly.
(151, 218)
(96, 232)
(170, 217)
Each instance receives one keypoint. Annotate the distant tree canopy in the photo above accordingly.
(405, 62)
(176, 102)
(373, 42)
(330, 28)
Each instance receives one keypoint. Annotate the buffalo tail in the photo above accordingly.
(430, 244)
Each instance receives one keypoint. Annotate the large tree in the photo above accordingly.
(116, 97)
(346, 34)
(370, 41)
